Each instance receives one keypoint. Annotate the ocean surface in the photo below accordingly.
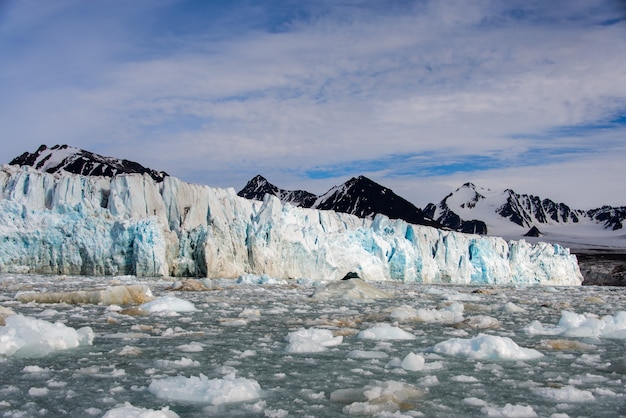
(268, 348)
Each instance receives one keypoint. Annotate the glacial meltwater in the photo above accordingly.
(261, 347)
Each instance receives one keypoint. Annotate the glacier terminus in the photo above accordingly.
(130, 224)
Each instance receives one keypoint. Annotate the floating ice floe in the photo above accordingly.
(565, 394)
(352, 289)
(112, 295)
(129, 411)
(311, 340)
(191, 285)
(176, 364)
(584, 325)
(200, 389)
(4, 312)
(377, 398)
(363, 354)
(486, 347)
(385, 331)
(23, 336)
(509, 411)
(262, 279)
(168, 304)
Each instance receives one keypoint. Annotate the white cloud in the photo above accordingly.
(220, 102)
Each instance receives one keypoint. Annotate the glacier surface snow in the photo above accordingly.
(129, 224)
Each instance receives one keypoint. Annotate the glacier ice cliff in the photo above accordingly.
(130, 224)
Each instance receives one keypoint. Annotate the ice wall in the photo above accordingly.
(128, 224)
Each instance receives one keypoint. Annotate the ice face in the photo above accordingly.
(129, 224)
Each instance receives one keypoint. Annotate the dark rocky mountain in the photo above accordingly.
(78, 161)
(358, 196)
(258, 187)
(447, 217)
(611, 217)
(525, 210)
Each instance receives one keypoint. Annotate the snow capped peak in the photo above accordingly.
(78, 161)
(509, 213)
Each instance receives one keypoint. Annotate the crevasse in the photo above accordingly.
(129, 224)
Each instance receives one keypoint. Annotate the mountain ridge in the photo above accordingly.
(78, 161)
(358, 196)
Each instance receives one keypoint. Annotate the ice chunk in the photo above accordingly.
(565, 394)
(112, 295)
(486, 347)
(509, 411)
(200, 389)
(448, 315)
(263, 279)
(403, 313)
(311, 340)
(385, 331)
(4, 312)
(362, 354)
(353, 289)
(168, 304)
(191, 285)
(24, 336)
(583, 325)
(176, 364)
(129, 411)
(376, 398)
(413, 362)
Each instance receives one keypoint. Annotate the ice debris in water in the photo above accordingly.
(311, 340)
(200, 389)
(486, 346)
(130, 411)
(376, 398)
(385, 331)
(586, 325)
(23, 336)
(168, 304)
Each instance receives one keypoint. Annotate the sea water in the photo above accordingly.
(271, 349)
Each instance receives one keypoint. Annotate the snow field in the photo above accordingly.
(300, 356)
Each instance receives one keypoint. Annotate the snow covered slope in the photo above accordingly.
(509, 214)
(131, 224)
(74, 160)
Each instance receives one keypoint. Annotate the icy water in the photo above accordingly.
(242, 329)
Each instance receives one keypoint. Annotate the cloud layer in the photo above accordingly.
(421, 96)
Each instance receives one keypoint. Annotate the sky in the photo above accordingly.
(420, 96)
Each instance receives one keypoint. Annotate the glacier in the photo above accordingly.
(132, 225)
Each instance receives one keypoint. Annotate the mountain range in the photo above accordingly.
(78, 161)
(468, 209)
(358, 196)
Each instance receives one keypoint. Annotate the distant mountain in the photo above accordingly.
(358, 196)
(258, 187)
(78, 161)
(498, 213)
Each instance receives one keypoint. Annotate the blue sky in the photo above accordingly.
(421, 96)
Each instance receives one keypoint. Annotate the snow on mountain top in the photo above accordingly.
(78, 161)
